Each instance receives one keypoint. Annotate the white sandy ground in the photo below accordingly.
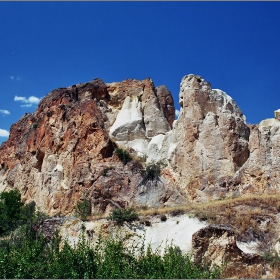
(176, 230)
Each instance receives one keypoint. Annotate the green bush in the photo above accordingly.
(272, 258)
(152, 172)
(124, 156)
(83, 209)
(123, 215)
(10, 210)
(13, 213)
(50, 113)
(35, 125)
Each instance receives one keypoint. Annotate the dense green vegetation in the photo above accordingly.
(26, 253)
(83, 209)
(13, 212)
(33, 257)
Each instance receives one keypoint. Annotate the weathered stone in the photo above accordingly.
(277, 114)
(212, 136)
(166, 103)
(269, 123)
(263, 166)
(56, 156)
(215, 245)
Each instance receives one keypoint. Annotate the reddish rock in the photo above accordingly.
(57, 154)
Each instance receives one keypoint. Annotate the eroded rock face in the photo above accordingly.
(142, 114)
(212, 138)
(260, 174)
(166, 103)
(277, 114)
(216, 245)
(57, 155)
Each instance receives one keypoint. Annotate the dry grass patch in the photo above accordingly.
(251, 217)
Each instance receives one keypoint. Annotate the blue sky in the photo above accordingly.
(46, 45)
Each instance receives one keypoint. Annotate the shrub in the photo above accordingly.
(123, 215)
(177, 212)
(13, 212)
(83, 209)
(106, 169)
(124, 156)
(35, 125)
(272, 258)
(152, 172)
(50, 113)
(163, 218)
(10, 210)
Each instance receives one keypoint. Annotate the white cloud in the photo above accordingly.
(13, 77)
(26, 105)
(177, 112)
(4, 133)
(29, 101)
(5, 112)
(33, 99)
(19, 98)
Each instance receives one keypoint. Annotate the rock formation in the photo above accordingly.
(57, 155)
(213, 143)
(260, 174)
(215, 245)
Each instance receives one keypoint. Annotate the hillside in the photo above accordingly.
(96, 141)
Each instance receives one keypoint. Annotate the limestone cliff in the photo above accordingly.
(57, 155)
(213, 143)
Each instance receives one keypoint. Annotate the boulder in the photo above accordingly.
(215, 245)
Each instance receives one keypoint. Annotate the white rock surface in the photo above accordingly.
(128, 122)
(269, 123)
(277, 114)
(177, 231)
(250, 247)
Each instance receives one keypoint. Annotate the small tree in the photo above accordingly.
(10, 210)
(83, 209)
(123, 215)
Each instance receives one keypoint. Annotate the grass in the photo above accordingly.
(251, 217)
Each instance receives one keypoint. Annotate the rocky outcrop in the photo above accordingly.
(210, 139)
(260, 174)
(215, 245)
(57, 155)
(142, 115)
